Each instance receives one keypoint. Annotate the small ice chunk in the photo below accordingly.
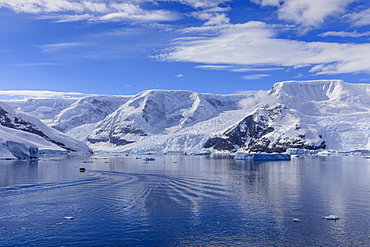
(296, 220)
(331, 217)
(68, 218)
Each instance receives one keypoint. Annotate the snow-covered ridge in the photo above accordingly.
(24, 133)
(159, 112)
(329, 114)
(323, 90)
(87, 110)
(44, 109)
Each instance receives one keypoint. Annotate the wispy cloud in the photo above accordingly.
(353, 34)
(361, 18)
(306, 13)
(68, 18)
(97, 10)
(254, 69)
(36, 64)
(255, 44)
(60, 46)
(25, 94)
(235, 68)
(203, 3)
(179, 75)
(159, 15)
(214, 67)
(255, 77)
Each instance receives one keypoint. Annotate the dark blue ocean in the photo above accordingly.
(184, 201)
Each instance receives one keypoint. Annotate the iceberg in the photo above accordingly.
(21, 151)
(299, 151)
(331, 217)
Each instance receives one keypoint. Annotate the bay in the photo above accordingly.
(179, 200)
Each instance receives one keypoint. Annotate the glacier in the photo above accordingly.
(300, 117)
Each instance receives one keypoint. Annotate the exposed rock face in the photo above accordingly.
(260, 132)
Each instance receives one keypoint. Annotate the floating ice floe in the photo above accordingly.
(296, 220)
(68, 217)
(331, 217)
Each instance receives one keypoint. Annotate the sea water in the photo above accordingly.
(178, 200)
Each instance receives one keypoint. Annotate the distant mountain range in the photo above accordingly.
(311, 115)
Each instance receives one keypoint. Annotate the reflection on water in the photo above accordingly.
(185, 201)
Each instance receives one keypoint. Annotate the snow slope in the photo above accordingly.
(325, 114)
(311, 115)
(339, 110)
(161, 120)
(87, 110)
(32, 131)
(43, 109)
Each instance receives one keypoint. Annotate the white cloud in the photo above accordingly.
(25, 94)
(91, 10)
(255, 77)
(234, 68)
(307, 13)
(68, 18)
(354, 34)
(114, 10)
(211, 18)
(159, 15)
(202, 3)
(254, 44)
(361, 18)
(267, 2)
(254, 69)
(60, 46)
(42, 6)
(214, 67)
(256, 99)
(179, 75)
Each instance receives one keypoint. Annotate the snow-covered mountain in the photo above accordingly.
(43, 109)
(326, 114)
(23, 136)
(309, 114)
(87, 110)
(164, 118)
(271, 129)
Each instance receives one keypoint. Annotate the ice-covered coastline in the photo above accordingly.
(314, 117)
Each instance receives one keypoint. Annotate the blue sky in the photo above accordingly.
(215, 46)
